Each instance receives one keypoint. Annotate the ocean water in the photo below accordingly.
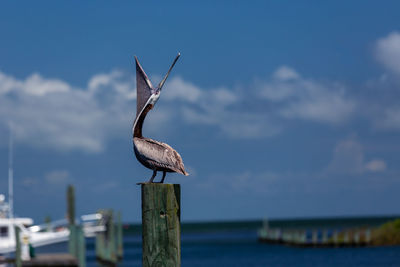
(235, 244)
(240, 248)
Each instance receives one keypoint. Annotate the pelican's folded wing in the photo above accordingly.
(144, 88)
(160, 155)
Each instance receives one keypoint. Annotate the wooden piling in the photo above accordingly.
(18, 260)
(71, 204)
(120, 249)
(335, 238)
(367, 236)
(106, 242)
(325, 238)
(161, 225)
(314, 237)
(346, 239)
(356, 238)
(72, 243)
(76, 243)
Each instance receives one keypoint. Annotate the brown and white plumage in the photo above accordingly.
(153, 154)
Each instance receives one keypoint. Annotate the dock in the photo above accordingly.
(54, 260)
(109, 242)
(316, 238)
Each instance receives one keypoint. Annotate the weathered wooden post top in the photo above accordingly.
(160, 202)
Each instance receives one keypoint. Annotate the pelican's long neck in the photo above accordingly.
(138, 124)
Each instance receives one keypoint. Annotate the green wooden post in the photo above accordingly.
(112, 240)
(76, 243)
(367, 236)
(335, 237)
(100, 240)
(346, 238)
(278, 235)
(18, 261)
(101, 250)
(106, 242)
(100, 243)
(304, 237)
(120, 236)
(71, 204)
(81, 247)
(161, 232)
(72, 243)
(356, 238)
(325, 237)
(314, 237)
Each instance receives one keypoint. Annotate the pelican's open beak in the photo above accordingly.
(166, 75)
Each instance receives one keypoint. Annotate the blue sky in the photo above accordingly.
(278, 108)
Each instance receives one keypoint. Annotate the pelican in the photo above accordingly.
(153, 154)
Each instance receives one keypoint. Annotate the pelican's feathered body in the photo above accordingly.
(153, 154)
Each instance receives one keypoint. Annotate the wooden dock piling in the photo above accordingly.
(314, 237)
(107, 241)
(161, 232)
(120, 236)
(76, 243)
(18, 260)
(71, 204)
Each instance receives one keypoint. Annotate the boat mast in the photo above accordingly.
(10, 175)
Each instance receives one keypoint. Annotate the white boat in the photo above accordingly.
(35, 235)
(40, 235)
(36, 239)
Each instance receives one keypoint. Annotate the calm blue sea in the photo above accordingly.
(242, 249)
(235, 244)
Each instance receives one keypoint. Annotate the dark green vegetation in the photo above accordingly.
(254, 225)
(388, 234)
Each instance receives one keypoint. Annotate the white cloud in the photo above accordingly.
(105, 187)
(285, 73)
(243, 182)
(383, 109)
(29, 181)
(388, 52)
(348, 158)
(52, 113)
(389, 119)
(115, 80)
(37, 85)
(59, 177)
(177, 88)
(300, 98)
(327, 107)
(375, 165)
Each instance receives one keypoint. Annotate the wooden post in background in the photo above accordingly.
(120, 237)
(76, 243)
(71, 204)
(18, 260)
(161, 230)
(314, 237)
(72, 248)
(106, 242)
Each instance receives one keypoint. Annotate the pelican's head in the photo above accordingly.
(147, 95)
(156, 93)
(154, 98)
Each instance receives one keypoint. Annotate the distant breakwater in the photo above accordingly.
(284, 224)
